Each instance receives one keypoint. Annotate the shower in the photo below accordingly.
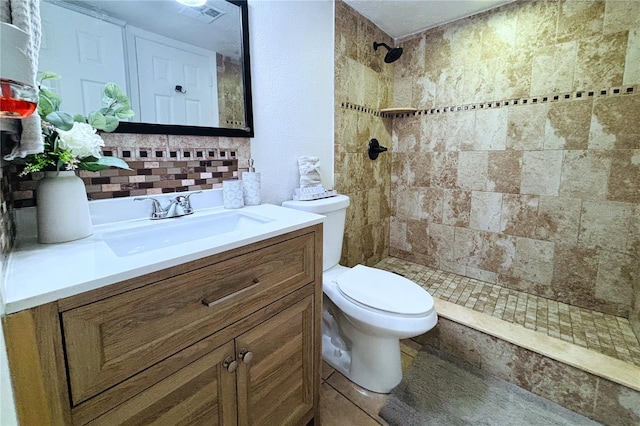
(393, 53)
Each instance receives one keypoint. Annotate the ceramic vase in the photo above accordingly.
(63, 210)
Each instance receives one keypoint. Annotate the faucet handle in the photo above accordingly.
(157, 212)
(186, 203)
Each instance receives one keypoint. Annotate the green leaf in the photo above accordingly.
(103, 163)
(61, 120)
(97, 120)
(48, 102)
(49, 75)
(112, 91)
(111, 123)
(79, 118)
(128, 113)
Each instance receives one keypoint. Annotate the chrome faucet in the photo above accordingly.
(179, 206)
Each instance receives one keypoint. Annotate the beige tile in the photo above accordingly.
(444, 169)
(624, 177)
(558, 219)
(398, 234)
(632, 59)
(456, 207)
(621, 16)
(600, 61)
(559, 78)
(485, 211)
(440, 241)
(337, 410)
(610, 123)
(450, 88)
(464, 37)
(423, 92)
(605, 225)
(616, 275)
(585, 174)
(580, 19)
(504, 171)
(491, 129)
(567, 125)
(541, 172)
(574, 274)
(519, 213)
(472, 170)
(367, 401)
(499, 33)
(533, 260)
(430, 204)
(478, 81)
(526, 129)
(537, 22)
(513, 75)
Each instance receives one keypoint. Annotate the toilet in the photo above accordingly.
(366, 311)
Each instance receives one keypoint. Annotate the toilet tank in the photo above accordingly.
(335, 211)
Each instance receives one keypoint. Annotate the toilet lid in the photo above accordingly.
(384, 290)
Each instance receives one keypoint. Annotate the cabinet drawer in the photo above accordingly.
(115, 338)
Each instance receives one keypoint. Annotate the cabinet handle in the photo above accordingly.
(230, 364)
(210, 303)
(245, 355)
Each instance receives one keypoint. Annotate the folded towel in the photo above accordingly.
(25, 14)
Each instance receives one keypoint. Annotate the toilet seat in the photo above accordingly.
(380, 290)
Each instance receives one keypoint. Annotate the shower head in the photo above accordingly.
(393, 53)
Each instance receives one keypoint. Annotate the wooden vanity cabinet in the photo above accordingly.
(230, 339)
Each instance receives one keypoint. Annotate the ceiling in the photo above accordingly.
(401, 18)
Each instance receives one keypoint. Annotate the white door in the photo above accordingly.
(86, 52)
(178, 85)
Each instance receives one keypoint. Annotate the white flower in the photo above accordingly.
(81, 140)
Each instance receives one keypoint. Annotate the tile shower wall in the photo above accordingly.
(363, 85)
(522, 167)
(159, 164)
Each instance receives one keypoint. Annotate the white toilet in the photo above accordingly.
(366, 310)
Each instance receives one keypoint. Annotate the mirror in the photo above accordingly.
(185, 69)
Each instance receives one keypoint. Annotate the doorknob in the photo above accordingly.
(230, 364)
(179, 89)
(245, 355)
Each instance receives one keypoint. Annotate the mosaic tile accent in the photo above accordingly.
(154, 171)
(533, 100)
(607, 334)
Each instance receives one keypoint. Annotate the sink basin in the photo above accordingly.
(168, 232)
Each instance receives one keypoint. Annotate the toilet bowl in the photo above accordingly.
(366, 311)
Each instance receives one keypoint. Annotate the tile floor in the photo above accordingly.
(600, 332)
(345, 403)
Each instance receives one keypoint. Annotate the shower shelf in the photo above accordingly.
(403, 110)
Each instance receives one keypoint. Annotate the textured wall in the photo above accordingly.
(523, 166)
(364, 85)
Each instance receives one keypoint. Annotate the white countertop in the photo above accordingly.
(42, 273)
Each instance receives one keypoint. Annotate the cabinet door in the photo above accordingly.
(275, 383)
(202, 393)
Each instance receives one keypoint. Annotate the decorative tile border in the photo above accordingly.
(559, 97)
(154, 171)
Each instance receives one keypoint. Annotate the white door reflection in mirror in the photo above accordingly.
(86, 52)
(167, 68)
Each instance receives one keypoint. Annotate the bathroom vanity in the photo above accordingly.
(217, 335)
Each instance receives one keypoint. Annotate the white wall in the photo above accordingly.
(292, 71)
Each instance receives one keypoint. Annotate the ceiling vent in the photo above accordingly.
(206, 14)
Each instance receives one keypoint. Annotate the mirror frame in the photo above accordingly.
(175, 129)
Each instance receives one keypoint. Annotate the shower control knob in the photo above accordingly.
(245, 355)
(230, 364)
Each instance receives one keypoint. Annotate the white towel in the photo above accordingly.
(25, 14)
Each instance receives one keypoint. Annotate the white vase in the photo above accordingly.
(63, 210)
